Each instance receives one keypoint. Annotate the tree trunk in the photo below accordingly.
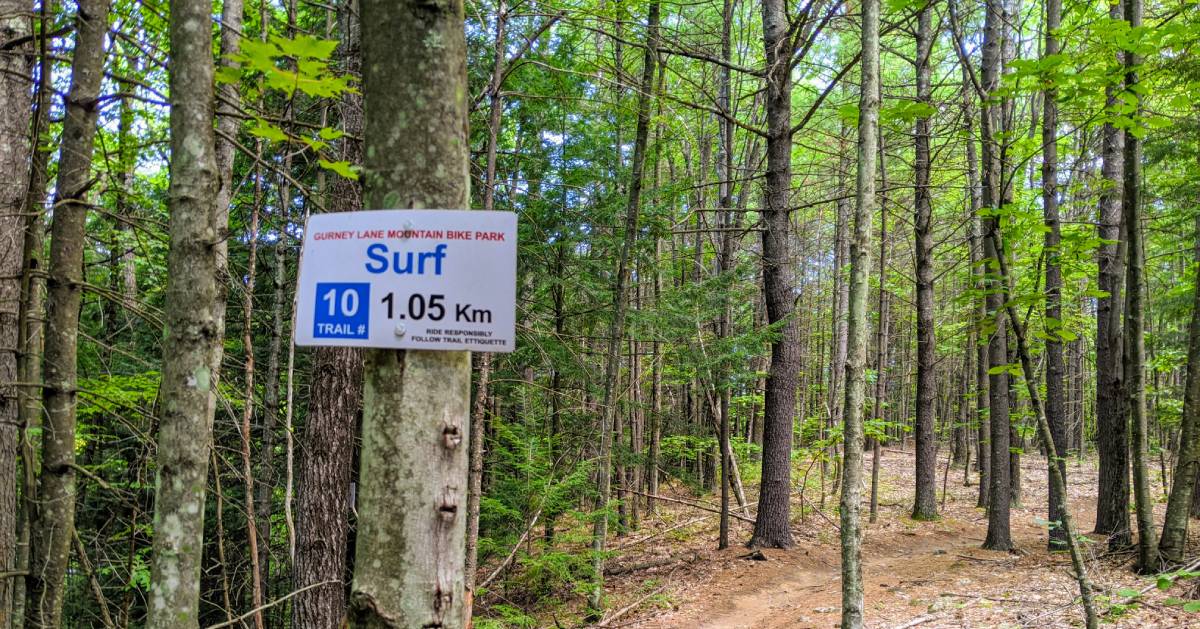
(999, 536)
(616, 329)
(55, 518)
(1135, 345)
(772, 527)
(194, 314)
(853, 611)
(1056, 412)
(252, 533)
(475, 481)
(323, 503)
(326, 466)
(32, 312)
(1172, 544)
(409, 548)
(15, 103)
(925, 501)
(881, 339)
(1057, 479)
(1112, 430)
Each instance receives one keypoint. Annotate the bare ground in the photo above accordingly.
(917, 574)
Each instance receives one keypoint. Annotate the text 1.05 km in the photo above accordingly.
(431, 307)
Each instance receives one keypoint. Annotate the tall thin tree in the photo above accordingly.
(1175, 523)
(616, 329)
(54, 523)
(1135, 312)
(194, 314)
(1112, 427)
(772, 527)
(853, 611)
(409, 549)
(1055, 363)
(925, 500)
(327, 445)
(999, 535)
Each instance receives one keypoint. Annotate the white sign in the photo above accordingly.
(409, 279)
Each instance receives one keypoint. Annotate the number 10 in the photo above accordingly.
(349, 302)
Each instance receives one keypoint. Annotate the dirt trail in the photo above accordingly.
(932, 572)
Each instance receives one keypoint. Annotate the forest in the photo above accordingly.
(828, 313)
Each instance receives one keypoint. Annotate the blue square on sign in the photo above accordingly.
(342, 310)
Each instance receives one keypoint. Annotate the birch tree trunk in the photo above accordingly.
(853, 611)
(194, 313)
(55, 518)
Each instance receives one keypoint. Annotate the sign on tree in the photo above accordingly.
(409, 279)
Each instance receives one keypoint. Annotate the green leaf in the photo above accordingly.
(228, 74)
(849, 114)
(1011, 369)
(306, 46)
(1192, 607)
(267, 131)
(315, 145)
(258, 56)
(1129, 593)
(344, 169)
(329, 133)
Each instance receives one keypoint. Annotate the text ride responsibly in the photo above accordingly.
(409, 279)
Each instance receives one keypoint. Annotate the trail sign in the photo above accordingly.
(409, 279)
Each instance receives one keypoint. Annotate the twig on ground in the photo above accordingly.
(630, 607)
(919, 620)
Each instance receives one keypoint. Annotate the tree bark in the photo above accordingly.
(1112, 430)
(772, 527)
(326, 467)
(15, 104)
(323, 502)
(55, 518)
(925, 500)
(1057, 479)
(194, 314)
(983, 456)
(853, 612)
